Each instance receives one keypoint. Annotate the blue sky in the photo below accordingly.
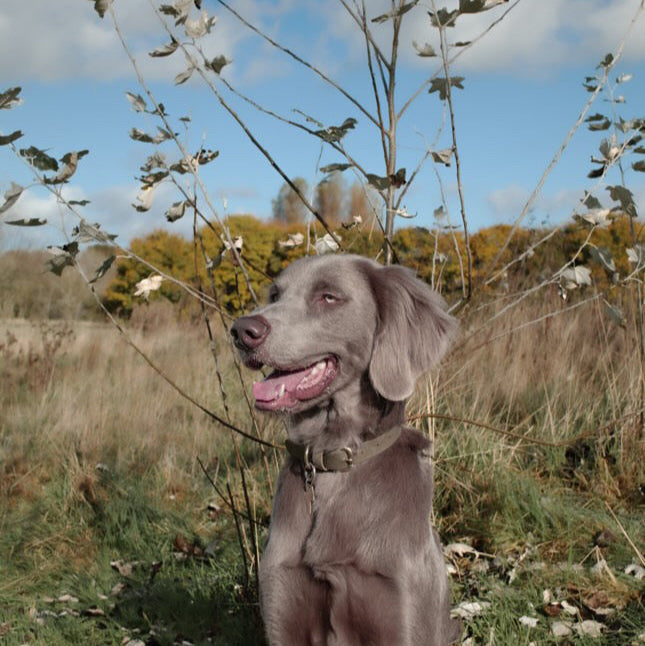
(523, 92)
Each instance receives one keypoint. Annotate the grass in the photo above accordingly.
(110, 532)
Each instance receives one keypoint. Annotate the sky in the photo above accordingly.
(522, 94)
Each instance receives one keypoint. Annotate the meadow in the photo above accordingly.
(127, 516)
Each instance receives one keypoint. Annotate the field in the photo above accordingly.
(124, 519)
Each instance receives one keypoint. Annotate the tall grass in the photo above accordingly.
(100, 461)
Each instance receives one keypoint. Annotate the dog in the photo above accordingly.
(351, 559)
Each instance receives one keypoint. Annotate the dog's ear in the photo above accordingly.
(412, 334)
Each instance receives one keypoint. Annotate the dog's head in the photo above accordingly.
(331, 320)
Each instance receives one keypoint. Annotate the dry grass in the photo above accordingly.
(99, 455)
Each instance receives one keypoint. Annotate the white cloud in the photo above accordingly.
(507, 203)
(538, 37)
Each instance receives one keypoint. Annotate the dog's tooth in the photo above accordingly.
(282, 390)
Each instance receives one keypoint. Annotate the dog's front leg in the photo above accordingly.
(294, 606)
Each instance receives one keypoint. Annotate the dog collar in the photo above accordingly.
(345, 458)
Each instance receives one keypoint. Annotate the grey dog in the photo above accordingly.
(352, 559)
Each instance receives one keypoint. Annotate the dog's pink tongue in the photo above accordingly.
(277, 384)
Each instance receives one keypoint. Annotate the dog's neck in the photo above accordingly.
(340, 422)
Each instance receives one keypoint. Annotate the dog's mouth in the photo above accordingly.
(285, 389)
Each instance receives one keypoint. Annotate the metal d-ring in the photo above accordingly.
(349, 460)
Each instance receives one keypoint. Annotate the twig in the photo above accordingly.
(638, 553)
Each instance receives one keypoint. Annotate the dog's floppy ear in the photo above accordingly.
(413, 331)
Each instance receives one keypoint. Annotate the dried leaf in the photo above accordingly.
(39, 159)
(595, 217)
(475, 6)
(635, 255)
(185, 75)
(576, 276)
(103, 269)
(602, 256)
(8, 139)
(425, 51)
(326, 244)
(589, 627)
(399, 11)
(10, 98)
(378, 182)
(333, 134)
(530, 622)
(444, 18)
(137, 102)
(176, 211)
(441, 85)
(144, 199)
(217, 64)
(330, 168)
(469, 609)
(293, 240)
(143, 288)
(625, 197)
(442, 156)
(165, 50)
(561, 628)
(11, 196)
(101, 6)
(199, 27)
(31, 222)
(86, 232)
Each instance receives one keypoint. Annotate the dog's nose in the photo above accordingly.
(249, 332)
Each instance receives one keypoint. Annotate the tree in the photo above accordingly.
(288, 208)
(329, 198)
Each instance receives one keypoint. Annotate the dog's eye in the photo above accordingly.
(274, 294)
(329, 298)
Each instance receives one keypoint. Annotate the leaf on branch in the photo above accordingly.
(63, 257)
(574, 277)
(442, 156)
(591, 202)
(444, 18)
(161, 136)
(101, 6)
(8, 139)
(137, 102)
(639, 165)
(39, 158)
(397, 179)
(606, 62)
(609, 149)
(70, 164)
(326, 244)
(11, 196)
(144, 199)
(31, 222)
(10, 98)
(147, 285)
(157, 160)
(86, 232)
(293, 240)
(217, 64)
(185, 165)
(597, 217)
(78, 202)
(402, 9)
(185, 75)
(625, 197)
(176, 211)
(165, 50)
(378, 182)
(151, 179)
(103, 269)
(623, 78)
(333, 134)
(179, 10)
(441, 85)
(462, 43)
(425, 51)
(201, 26)
(330, 168)
(204, 157)
(475, 6)
(598, 122)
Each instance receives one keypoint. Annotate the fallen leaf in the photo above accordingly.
(531, 622)
(589, 627)
(560, 628)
